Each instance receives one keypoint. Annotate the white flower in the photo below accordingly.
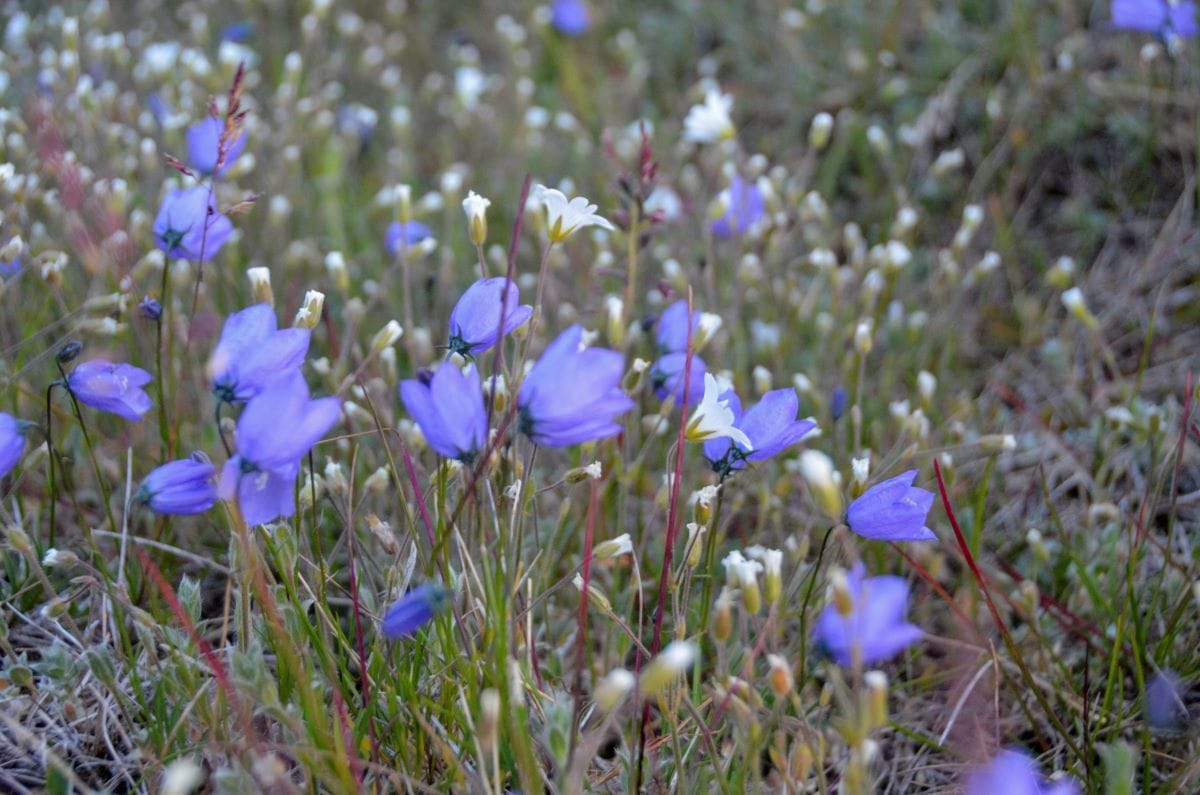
(713, 418)
(710, 122)
(475, 206)
(563, 217)
(595, 471)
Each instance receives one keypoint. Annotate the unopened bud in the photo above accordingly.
(595, 595)
(695, 545)
(722, 619)
(862, 337)
(489, 718)
(997, 442)
(839, 593)
(309, 313)
(780, 675)
(614, 547)
(820, 131)
(817, 471)
(475, 206)
(260, 285)
(877, 697)
(1073, 300)
(386, 337)
(613, 688)
(665, 669)
(335, 265)
(59, 559)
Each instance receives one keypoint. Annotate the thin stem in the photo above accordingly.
(632, 261)
(50, 458)
(160, 388)
(808, 592)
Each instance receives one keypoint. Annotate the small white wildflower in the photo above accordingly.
(713, 418)
(710, 122)
(563, 217)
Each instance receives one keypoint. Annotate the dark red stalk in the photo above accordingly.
(672, 522)
(214, 664)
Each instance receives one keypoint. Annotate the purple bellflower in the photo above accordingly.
(276, 430)
(179, 229)
(672, 331)
(1014, 773)
(1160, 17)
(570, 17)
(404, 235)
(115, 388)
(150, 308)
(746, 206)
(252, 353)
(203, 146)
(475, 320)
(1165, 707)
(666, 378)
(237, 32)
(180, 487)
(771, 425)
(572, 394)
(12, 441)
(10, 267)
(414, 610)
(893, 510)
(449, 408)
(874, 628)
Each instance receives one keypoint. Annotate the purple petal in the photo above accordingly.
(12, 443)
(475, 319)
(265, 496)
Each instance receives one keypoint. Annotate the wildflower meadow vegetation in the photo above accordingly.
(611, 397)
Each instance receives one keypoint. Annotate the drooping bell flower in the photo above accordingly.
(115, 388)
(180, 227)
(275, 431)
(253, 352)
(475, 319)
(573, 394)
(448, 406)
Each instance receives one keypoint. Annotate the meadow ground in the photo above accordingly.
(961, 237)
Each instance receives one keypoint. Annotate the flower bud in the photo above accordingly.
(386, 337)
(702, 501)
(926, 387)
(60, 559)
(665, 669)
(613, 688)
(475, 206)
(997, 442)
(862, 337)
(489, 718)
(595, 595)
(335, 265)
(614, 547)
(820, 131)
(839, 593)
(309, 313)
(876, 701)
(260, 285)
(722, 619)
(695, 544)
(1073, 300)
(817, 471)
(780, 675)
